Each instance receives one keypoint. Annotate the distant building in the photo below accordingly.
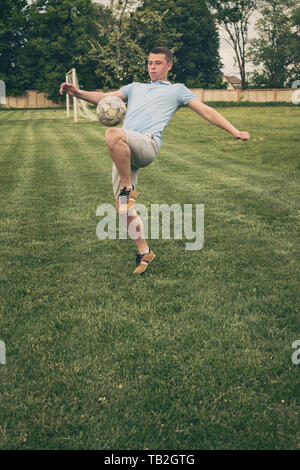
(233, 83)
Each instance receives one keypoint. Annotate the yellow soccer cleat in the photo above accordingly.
(143, 261)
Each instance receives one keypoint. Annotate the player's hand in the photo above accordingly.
(68, 88)
(242, 135)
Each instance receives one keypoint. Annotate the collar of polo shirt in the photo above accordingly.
(159, 81)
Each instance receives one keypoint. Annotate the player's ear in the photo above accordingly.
(170, 64)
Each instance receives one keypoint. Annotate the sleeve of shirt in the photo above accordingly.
(127, 90)
(185, 95)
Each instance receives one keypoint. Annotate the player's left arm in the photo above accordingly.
(211, 115)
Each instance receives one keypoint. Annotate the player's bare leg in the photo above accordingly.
(120, 153)
(136, 223)
(136, 231)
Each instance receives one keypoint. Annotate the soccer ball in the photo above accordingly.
(111, 111)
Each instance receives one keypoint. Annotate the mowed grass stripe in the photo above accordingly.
(252, 211)
(220, 188)
(264, 139)
(265, 222)
(245, 166)
(90, 162)
(42, 114)
(33, 237)
(12, 156)
(93, 163)
(89, 169)
(43, 301)
(17, 208)
(195, 355)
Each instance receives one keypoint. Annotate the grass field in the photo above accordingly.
(197, 353)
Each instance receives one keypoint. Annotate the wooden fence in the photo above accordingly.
(33, 99)
(251, 95)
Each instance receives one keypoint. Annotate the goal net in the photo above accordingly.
(79, 106)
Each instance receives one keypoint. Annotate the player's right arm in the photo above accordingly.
(90, 96)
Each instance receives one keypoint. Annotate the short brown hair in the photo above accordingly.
(163, 50)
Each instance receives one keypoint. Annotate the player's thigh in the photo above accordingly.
(143, 148)
(114, 135)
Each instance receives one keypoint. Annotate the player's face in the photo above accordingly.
(158, 67)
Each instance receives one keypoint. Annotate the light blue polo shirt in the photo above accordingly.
(151, 105)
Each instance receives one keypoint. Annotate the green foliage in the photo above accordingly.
(122, 45)
(109, 45)
(58, 37)
(196, 45)
(41, 41)
(118, 58)
(12, 40)
(295, 46)
(276, 50)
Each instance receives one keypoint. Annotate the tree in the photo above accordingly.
(121, 48)
(233, 17)
(194, 41)
(12, 39)
(58, 36)
(275, 51)
(117, 57)
(295, 46)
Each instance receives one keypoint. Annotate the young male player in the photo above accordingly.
(150, 107)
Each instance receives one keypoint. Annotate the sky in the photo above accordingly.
(227, 53)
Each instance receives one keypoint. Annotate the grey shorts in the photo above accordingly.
(143, 149)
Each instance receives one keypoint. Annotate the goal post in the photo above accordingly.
(79, 106)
